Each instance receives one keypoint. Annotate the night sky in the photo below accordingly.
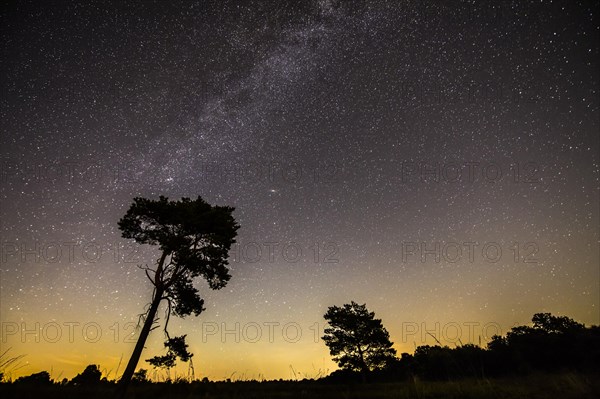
(438, 161)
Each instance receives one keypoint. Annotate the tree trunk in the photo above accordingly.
(364, 369)
(139, 346)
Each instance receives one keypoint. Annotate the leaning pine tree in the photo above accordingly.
(194, 239)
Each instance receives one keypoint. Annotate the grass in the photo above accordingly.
(535, 386)
(10, 364)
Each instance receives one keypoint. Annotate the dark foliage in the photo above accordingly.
(195, 234)
(176, 348)
(140, 376)
(551, 345)
(356, 339)
(90, 376)
(41, 378)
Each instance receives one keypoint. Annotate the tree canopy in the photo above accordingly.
(356, 339)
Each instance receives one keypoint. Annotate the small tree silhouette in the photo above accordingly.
(91, 375)
(41, 378)
(356, 340)
(195, 239)
(140, 376)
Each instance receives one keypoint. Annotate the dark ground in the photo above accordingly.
(536, 386)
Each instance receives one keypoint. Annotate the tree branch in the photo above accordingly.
(146, 269)
(167, 317)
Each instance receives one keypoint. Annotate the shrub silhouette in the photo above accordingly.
(140, 376)
(90, 376)
(41, 378)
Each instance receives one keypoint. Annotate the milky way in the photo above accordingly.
(436, 160)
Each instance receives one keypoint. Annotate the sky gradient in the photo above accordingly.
(437, 161)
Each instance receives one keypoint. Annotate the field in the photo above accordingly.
(537, 386)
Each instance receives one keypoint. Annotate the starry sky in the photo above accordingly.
(436, 160)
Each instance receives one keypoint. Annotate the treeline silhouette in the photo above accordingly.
(552, 344)
(91, 375)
